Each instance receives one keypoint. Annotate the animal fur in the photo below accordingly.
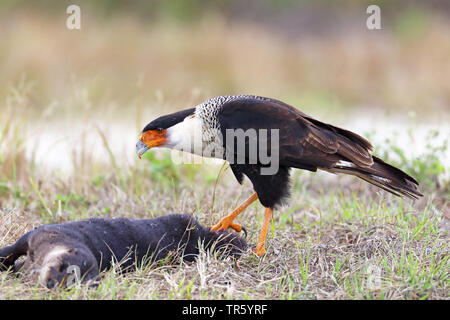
(93, 245)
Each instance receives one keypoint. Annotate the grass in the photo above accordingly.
(338, 238)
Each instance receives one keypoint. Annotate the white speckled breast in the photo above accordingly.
(207, 112)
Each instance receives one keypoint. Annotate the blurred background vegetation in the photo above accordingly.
(75, 100)
(314, 54)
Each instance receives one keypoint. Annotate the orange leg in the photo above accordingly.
(261, 246)
(227, 222)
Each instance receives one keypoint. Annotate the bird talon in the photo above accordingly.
(245, 231)
(260, 250)
(307, 143)
(225, 224)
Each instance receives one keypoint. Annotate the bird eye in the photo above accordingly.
(159, 130)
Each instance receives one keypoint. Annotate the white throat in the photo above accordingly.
(193, 135)
(186, 135)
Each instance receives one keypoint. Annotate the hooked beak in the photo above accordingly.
(150, 139)
(141, 148)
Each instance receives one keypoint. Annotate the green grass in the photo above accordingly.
(338, 238)
(333, 241)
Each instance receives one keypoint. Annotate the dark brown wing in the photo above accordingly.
(307, 143)
(304, 142)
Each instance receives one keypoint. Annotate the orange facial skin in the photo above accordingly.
(154, 138)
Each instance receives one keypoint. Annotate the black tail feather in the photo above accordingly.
(382, 175)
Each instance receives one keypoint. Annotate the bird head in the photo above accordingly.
(162, 132)
(149, 139)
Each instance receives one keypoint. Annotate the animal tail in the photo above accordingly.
(382, 175)
(9, 254)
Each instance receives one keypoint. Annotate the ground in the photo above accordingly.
(72, 104)
(337, 239)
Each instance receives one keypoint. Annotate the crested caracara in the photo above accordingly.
(263, 138)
